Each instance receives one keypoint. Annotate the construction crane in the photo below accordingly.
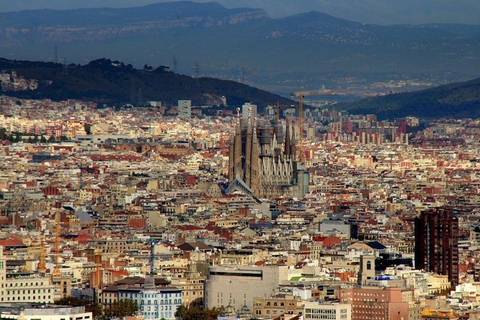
(320, 92)
(277, 110)
(42, 264)
(56, 270)
(152, 243)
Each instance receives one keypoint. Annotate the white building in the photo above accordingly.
(249, 109)
(185, 108)
(332, 311)
(24, 287)
(44, 312)
(238, 285)
(154, 303)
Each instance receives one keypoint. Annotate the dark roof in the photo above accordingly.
(376, 245)
(131, 281)
(191, 246)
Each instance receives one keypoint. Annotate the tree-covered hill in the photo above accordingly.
(113, 82)
(456, 100)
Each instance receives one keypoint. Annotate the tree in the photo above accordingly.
(122, 308)
(184, 313)
(90, 306)
(88, 128)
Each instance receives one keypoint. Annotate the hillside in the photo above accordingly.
(113, 82)
(283, 51)
(456, 100)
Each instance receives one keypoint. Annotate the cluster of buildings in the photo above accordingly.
(11, 81)
(240, 214)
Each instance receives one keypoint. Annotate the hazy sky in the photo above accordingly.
(367, 11)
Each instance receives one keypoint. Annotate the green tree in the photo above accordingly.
(184, 313)
(88, 128)
(122, 308)
(93, 307)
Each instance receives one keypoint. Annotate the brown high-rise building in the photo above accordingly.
(258, 166)
(436, 242)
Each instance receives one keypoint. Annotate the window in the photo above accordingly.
(369, 265)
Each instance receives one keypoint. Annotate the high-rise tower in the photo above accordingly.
(436, 242)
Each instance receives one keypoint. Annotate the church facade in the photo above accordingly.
(259, 165)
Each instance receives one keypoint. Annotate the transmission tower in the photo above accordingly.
(140, 96)
(175, 64)
(65, 68)
(197, 69)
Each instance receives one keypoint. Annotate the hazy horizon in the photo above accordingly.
(366, 11)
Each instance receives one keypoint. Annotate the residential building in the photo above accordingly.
(436, 242)
(314, 310)
(374, 303)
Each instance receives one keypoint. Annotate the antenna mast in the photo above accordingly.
(65, 68)
(175, 64)
(197, 70)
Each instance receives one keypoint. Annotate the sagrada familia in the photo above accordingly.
(259, 166)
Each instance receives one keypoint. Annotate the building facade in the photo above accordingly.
(258, 165)
(24, 287)
(237, 286)
(192, 286)
(274, 306)
(154, 303)
(44, 312)
(374, 303)
(315, 310)
(436, 243)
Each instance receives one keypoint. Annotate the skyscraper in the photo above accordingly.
(436, 242)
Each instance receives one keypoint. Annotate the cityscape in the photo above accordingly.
(224, 201)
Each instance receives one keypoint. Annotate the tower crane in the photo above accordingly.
(56, 270)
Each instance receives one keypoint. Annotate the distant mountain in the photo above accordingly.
(456, 100)
(113, 82)
(368, 11)
(232, 43)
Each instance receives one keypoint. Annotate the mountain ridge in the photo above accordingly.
(453, 100)
(226, 41)
(367, 11)
(113, 82)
